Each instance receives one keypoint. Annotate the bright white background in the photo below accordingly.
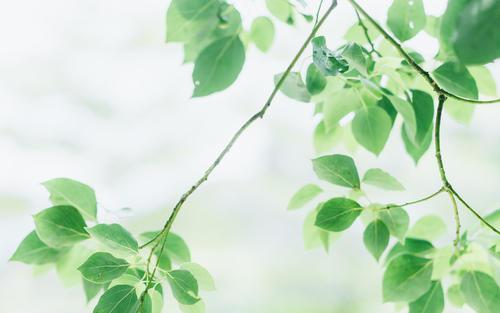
(89, 90)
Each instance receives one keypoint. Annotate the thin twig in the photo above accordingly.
(457, 219)
(426, 75)
(367, 35)
(391, 206)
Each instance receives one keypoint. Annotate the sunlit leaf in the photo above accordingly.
(103, 267)
(337, 169)
(379, 178)
(118, 299)
(376, 238)
(262, 33)
(338, 214)
(303, 196)
(406, 18)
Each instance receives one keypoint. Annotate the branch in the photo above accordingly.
(367, 35)
(414, 202)
(426, 75)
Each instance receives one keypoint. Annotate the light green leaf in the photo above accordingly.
(431, 302)
(376, 238)
(60, 226)
(338, 214)
(119, 299)
(116, 238)
(477, 40)
(197, 9)
(315, 81)
(337, 169)
(441, 260)
(281, 9)
(218, 66)
(461, 112)
(397, 220)
(328, 62)
(262, 33)
(484, 80)
(379, 178)
(356, 33)
(314, 236)
(91, 289)
(103, 267)
(416, 150)
(455, 296)
(184, 286)
(455, 78)
(481, 292)
(202, 276)
(303, 196)
(406, 110)
(354, 55)
(407, 278)
(371, 127)
(175, 247)
(65, 191)
(181, 29)
(423, 106)
(293, 86)
(198, 307)
(429, 227)
(406, 18)
(33, 251)
(338, 105)
(325, 139)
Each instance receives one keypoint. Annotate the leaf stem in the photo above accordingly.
(367, 35)
(388, 207)
(426, 75)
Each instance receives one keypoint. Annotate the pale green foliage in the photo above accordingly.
(102, 267)
(376, 238)
(184, 286)
(431, 302)
(303, 196)
(293, 86)
(406, 18)
(337, 169)
(116, 238)
(118, 299)
(262, 33)
(379, 178)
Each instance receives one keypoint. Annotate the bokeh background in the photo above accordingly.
(89, 90)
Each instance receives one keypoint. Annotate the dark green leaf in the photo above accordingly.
(407, 111)
(60, 226)
(423, 106)
(103, 267)
(371, 127)
(91, 289)
(184, 286)
(477, 39)
(455, 78)
(407, 278)
(448, 27)
(338, 214)
(397, 220)
(262, 33)
(379, 178)
(116, 238)
(303, 196)
(431, 302)
(481, 292)
(328, 62)
(416, 151)
(33, 251)
(376, 238)
(337, 169)
(118, 299)
(293, 86)
(386, 104)
(315, 81)
(218, 66)
(406, 18)
(65, 191)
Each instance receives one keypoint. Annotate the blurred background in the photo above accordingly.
(89, 90)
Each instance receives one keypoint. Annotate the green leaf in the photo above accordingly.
(416, 150)
(103, 267)
(303, 196)
(397, 220)
(116, 238)
(218, 66)
(481, 292)
(484, 80)
(448, 28)
(91, 289)
(282, 10)
(371, 127)
(262, 33)
(423, 106)
(376, 238)
(328, 62)
(406, 18)
(198, 307)
(379, 178)
(65, 191)
(182, 29)
(354, 55)
(325, 139)
(118, 299)
(338, 105)
(175, 247)
(337, 169)
(477, 40)
(406, 110)
(33, 251)
(386, 104)
(338, 214)
(293, 86)
(356, 33)
(455, 78)
(431, 302)
(455, 296)
(184, 286)
(429, 227)
(407, 278)
(60, 226)
(197, 9)
(202, 276)
(460, 111)
(315, 81)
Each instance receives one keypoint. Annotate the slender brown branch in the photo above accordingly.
(426, 75)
